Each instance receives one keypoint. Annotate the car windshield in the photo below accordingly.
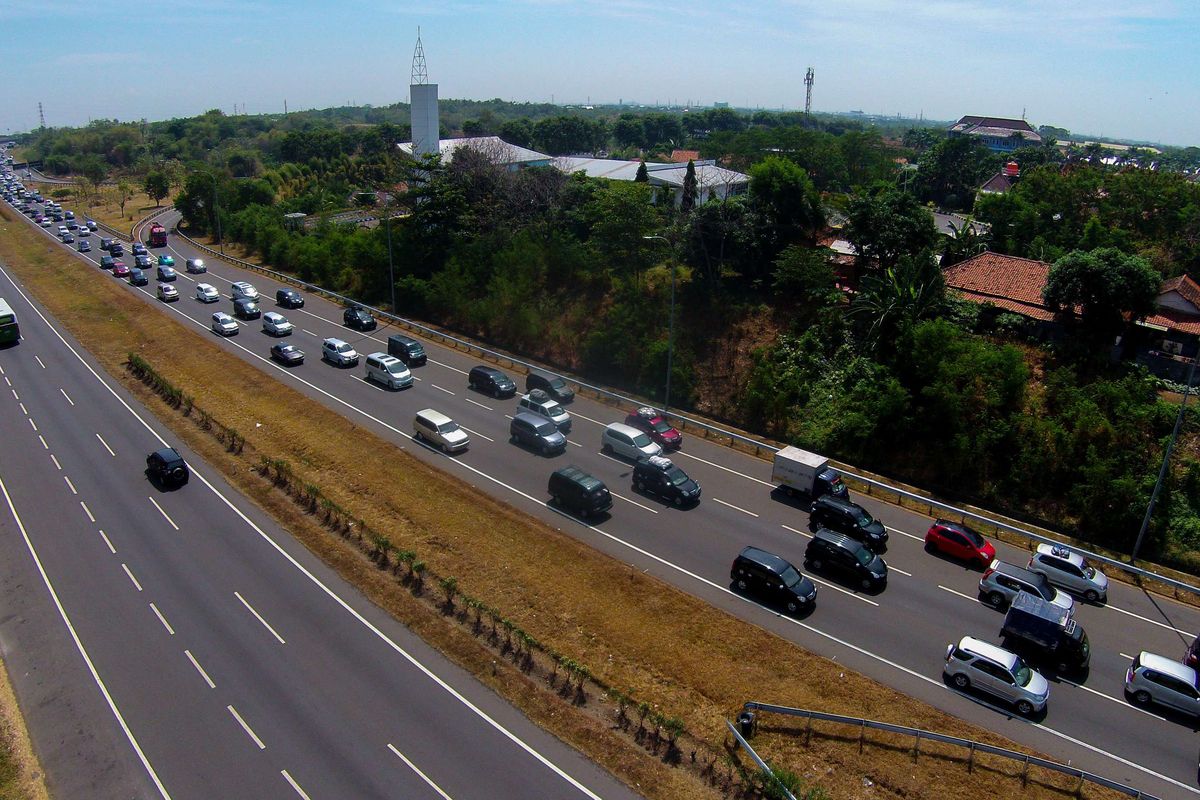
(345, 348)
(972, 536)
(677, 476)
(864, 556)
(1022, 673)
(864, 520)
(660, 426)
(448, 427)
(554, 409)
(396, 368)
(641, 440)
(791, 577)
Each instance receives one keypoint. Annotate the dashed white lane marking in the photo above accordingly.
(40, 364)
(111, 549)
(32, 423)
(420, 774)
(477, 433)
(162, 619)
(1151, 621)
(735, 508)
(893, 568)
(258, 616)
(200, 669)
(805, 534)
(55, 460)
(634, 502)
(164, 513)
(70, 485)
(106, 447)
(292, 782)
(43, 441)
(904, 533)
(64, 394)
(87, 511)
(310, 333)
(727, 469)
(440, 389)
(249, 731)
(481, 405)
(24, 410)
(128, 572)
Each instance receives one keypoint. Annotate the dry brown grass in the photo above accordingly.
(21, 776)
(633, 631)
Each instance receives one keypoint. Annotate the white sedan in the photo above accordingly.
(276, 324)
(224, 324)
(207, 293)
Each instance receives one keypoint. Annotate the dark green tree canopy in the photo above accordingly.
(1105, 284)
(886, 223)
(784, 194)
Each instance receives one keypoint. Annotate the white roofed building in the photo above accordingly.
(712, 182)
(500, 151)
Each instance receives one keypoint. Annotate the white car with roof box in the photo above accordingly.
(1069, 570)
(242, 289)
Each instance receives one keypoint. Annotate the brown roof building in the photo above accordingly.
(1007, 282)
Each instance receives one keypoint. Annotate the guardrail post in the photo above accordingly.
(1079, 788)
(916, 746)
(1025, 774)
(971, 759)
(862, 733)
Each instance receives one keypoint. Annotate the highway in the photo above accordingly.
(180, 644)
(897, 637)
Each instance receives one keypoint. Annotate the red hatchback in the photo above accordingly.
(119, 270)
(651, 422)
(959, 542)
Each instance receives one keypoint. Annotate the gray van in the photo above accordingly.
(552, 385)
(436, 428)
(536, 432)
(407, 349)
(389, 371)
(574, 490)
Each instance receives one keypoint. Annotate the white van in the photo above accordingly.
(628, 442)
(242, 289)
(439, 430)
(388, 370)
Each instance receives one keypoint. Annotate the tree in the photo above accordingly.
(690, 189)
(124, 192)
(891, 301)
(642, 175)
(886, 224)
(784, 194)
(157, 186)
(1106, 284)
(965, 240)
(805, 273)
(952, 170)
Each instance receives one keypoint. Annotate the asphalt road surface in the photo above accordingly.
(898, 637)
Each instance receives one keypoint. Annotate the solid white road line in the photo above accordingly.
(258, 616)
(200, 669)
(249, 731)
(292, 782)
(476, 433)
(128, 572)
(481, 405)
(111, 549)
(719, 466)
(64, 394)
(735, 508)
(162, 619)
(1111, 698)
(55, 460)
(420, 774)
(106, 447)
(164, 513)
(40, 364)
(62, 612)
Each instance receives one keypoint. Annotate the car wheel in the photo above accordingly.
(866, 584)
(678, 500)
(554, 499)
(545, 450)
(741, 584)
(962, 681)
(512, 440)
(1141, 697)
(444, 449)
(1091, 595)
(640, 485)
(816, 563)
(1024, 708)
(417, 435)
(929, 548)
(606, 448)
(981, 564)
(792, 606)
(995, 600)
(1062, 668)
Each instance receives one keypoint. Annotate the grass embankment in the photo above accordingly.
(21, 776)
(632, 631)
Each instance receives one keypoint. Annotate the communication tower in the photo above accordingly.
(41, 115)
(808, 82)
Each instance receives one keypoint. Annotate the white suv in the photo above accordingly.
(542, 404)
(276, 324)
(242, 289)
(1070, 571)
(992, 669)
(339, 353)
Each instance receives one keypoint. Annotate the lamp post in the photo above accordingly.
(387, 210)
(217, 212)
(670, 328)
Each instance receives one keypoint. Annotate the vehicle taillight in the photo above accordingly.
(987, 572)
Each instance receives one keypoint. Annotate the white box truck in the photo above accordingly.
(798, 471)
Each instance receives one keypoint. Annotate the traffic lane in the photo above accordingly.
(240, 567)
(110, 610)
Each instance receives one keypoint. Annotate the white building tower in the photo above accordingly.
(426, 136)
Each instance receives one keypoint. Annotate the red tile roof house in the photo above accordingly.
(1165, 341)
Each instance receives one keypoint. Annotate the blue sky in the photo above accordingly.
(1120, 68)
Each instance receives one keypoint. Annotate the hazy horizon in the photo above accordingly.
(1123, 70)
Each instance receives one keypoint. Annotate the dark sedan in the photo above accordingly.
(287, 354)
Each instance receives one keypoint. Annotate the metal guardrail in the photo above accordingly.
(758, 447)
(971, 745)
(762, 765)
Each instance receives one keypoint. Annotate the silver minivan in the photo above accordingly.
(1159, 679)
(389, 371)
(542, 404)
(992, 669)
(439, 430)
(628, 442)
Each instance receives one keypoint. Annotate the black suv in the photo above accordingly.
(659, 475)
(116, 249)
(289, 298)
(837, 552)
(167, 467)
(246, 308)
(358, 318)
(844, 516)
(772, 578)
(137, 277)
(550, 384)
(490, 380)
(407, 349)
(105, 243)
(573, 489)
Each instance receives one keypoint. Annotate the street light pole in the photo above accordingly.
(391, 267)
(670, 328)
(217, 215)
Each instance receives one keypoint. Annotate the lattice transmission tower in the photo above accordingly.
(808, 82)
(420, 73)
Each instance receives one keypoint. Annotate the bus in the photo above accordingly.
(9, 332)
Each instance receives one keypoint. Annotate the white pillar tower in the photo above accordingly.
(426, 133)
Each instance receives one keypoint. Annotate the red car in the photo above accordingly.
(119, 270)
(652, 423)
(959, 542)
